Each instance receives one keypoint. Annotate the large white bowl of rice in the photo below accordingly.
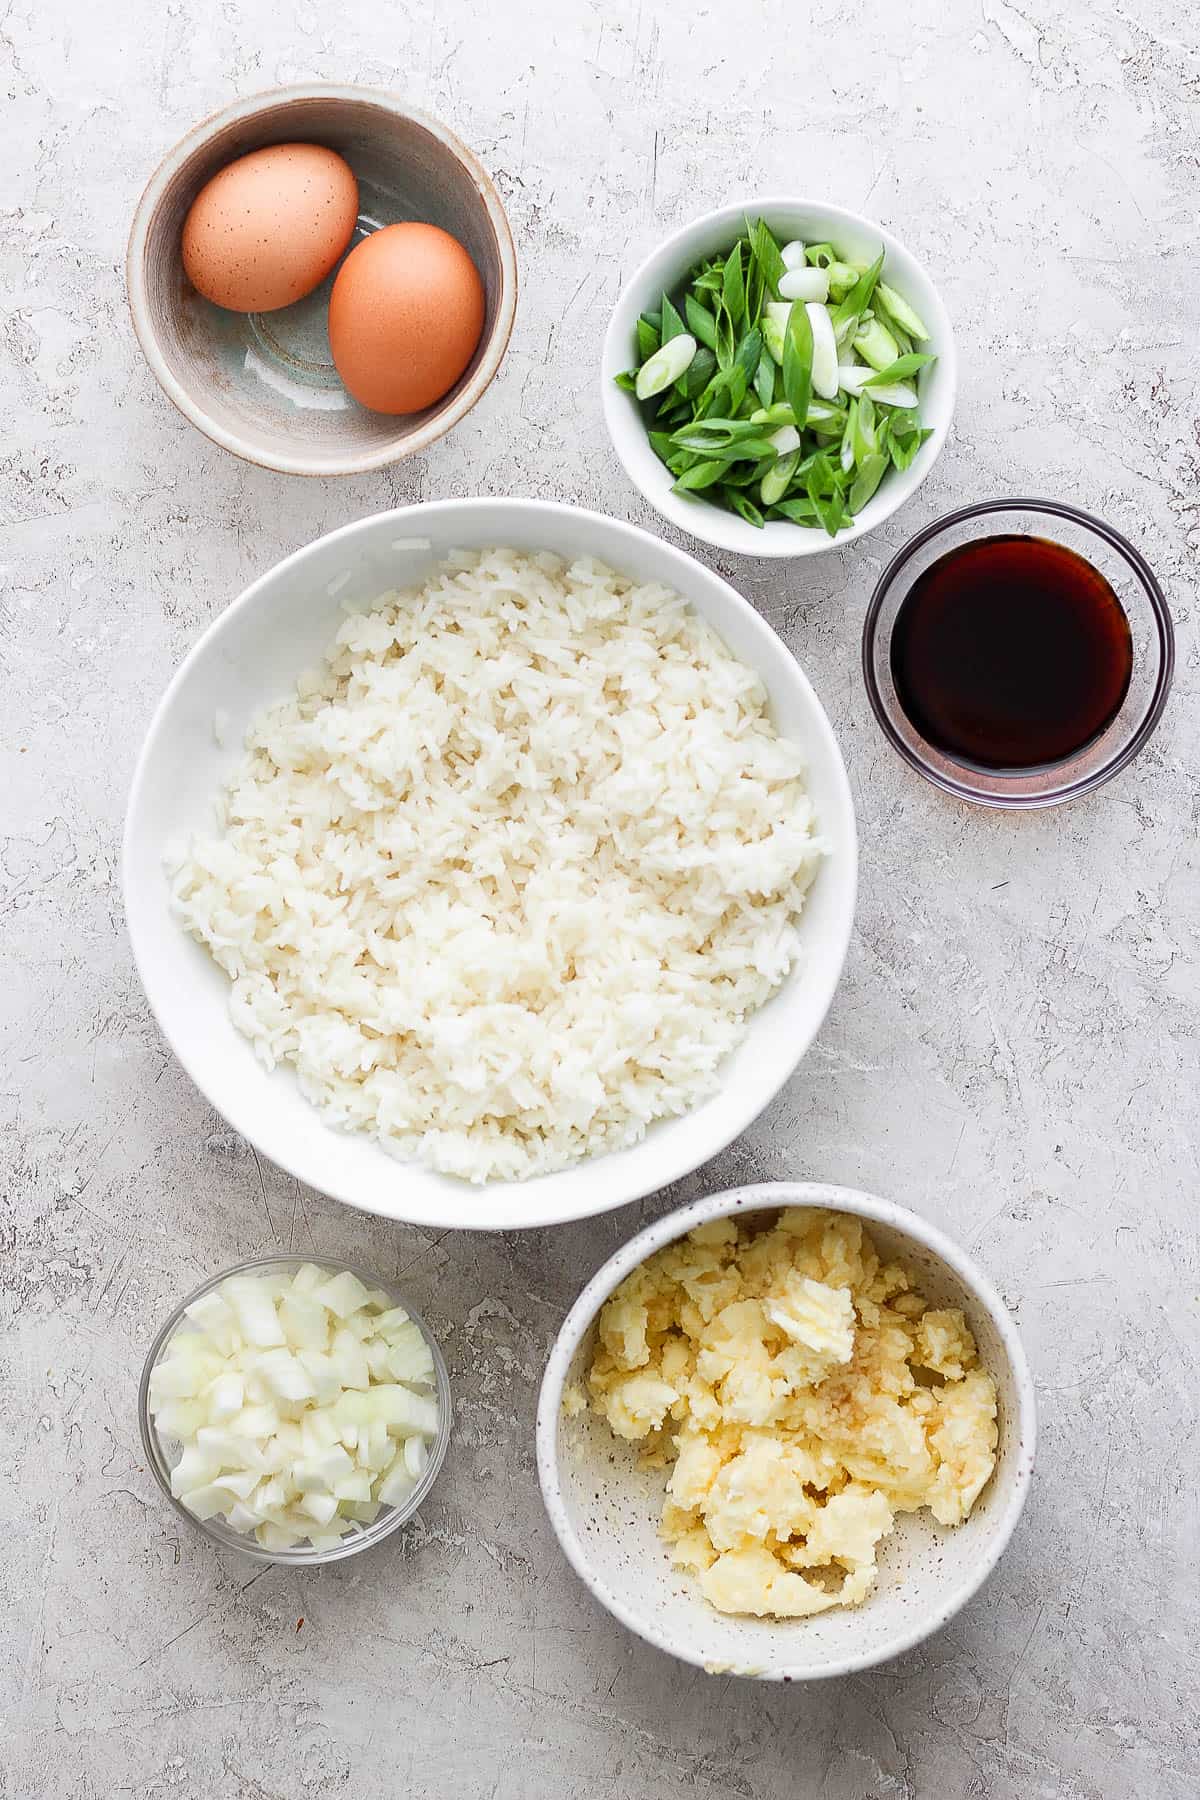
(490, 864)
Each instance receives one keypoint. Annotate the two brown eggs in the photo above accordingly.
(407, 307)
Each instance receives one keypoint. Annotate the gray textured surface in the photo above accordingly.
(1010, 1052)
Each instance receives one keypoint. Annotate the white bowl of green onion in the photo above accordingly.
(779, 377)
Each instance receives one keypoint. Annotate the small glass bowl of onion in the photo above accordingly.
(295, 1409)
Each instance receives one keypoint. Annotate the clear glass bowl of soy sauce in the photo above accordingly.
(1018, 653)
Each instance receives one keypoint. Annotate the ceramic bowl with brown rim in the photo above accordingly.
(263, 384)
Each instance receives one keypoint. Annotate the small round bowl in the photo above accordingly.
(250, 656)
(605, 1510)
(263, 384)
(1131, 579)
(814, 222)
(359, 1537)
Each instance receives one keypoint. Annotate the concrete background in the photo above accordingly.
(1011, 1051)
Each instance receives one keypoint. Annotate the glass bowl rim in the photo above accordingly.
(1052, 796)
(393, 1516)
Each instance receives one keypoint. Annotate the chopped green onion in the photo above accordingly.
(876, 345)
(752, 397)
(665, 366)
(745, 507)
(797, 360)
(804, 284)
(897, 393)
(764, 378)
(785, 440)
(733, 289)
(672, 325)
(700, 321)
(901, 369)
(824, 352)
(852, 308)
(779, 414)
(901, 313)
(777, 479)
(774, 324)
(842, 277)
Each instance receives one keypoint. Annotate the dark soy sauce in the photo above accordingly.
(1011, 653)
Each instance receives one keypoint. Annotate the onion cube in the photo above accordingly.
(285, 1377)
(355, 1486)
(396, 1485)
(254, 1309)
(416, 1456)
(277, 1537)
(240, 1486)
(270, 1496)
(181, 1418)
(349, 1359)
(391, 1321)
(322, 1470)
(305, 1322)
(320, 1507)
(403, 1411)
(342, 1294)
(375, 1447)
(183, 1374)
(410, 1362)
(242, 1517)
(213, 1316)
(203, 1502)
(327, 1383)
(218, 1443)
(365, 1511)
(259, 1421)
(193, 1470)
(225, 1396)
(307, 1279)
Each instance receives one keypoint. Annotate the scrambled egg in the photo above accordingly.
(801, 1394)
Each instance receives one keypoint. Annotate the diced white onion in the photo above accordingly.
(301, 1406)
(343, 1295)
(254, 1309)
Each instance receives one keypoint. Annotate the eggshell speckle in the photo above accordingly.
(268, 228)
(405, 317)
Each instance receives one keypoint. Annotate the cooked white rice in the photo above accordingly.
(507, 876)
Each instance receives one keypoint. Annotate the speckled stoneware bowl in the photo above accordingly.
(605, 1510)
(263, 384)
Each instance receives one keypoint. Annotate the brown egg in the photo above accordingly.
(405, 317)
(268, 228)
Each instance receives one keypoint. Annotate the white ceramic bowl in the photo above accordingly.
(253, 654)
(605, 1510)
(814, 222)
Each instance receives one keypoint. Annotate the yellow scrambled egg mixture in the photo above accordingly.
(803, 1394)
